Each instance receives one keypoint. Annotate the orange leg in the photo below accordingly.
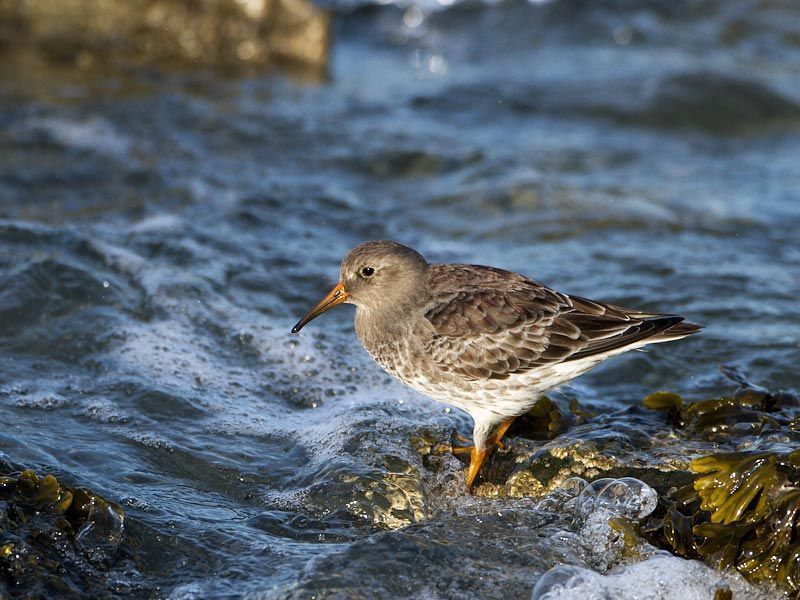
(476, 460)
(478, 457)
(496, 440)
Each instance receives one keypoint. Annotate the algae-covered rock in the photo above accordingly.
(54, 540)
(733, 510)
(742, 509)
(730, 509)
(712, 417)
(206, 32)
(750, 409)
(549, 418)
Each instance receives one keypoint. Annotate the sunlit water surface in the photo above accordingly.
(161, 234)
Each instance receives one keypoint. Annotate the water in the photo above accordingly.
(162, 232)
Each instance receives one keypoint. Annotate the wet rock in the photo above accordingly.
(102, 532)
(55, 541)
(206, 32)
(553, 465)
(588, 447)
(716, 103)
(459, 553)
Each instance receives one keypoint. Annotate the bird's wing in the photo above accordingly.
(489, 324)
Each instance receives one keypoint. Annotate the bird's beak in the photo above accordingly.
(336, 296)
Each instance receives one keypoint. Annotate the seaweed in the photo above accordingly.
(752, 503)
(53, 536)
(678, 531)
(742, 509)
(731, 485)
(711, 416)
(750, 408)
(31, 493)
(547, 419)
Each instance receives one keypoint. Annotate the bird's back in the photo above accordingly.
(483, 333)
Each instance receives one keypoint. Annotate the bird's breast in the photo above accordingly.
(394, 343)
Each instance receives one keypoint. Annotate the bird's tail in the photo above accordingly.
(676, 332)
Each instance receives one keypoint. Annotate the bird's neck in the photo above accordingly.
(386, 321)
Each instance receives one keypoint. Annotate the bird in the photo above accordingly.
(488, 341)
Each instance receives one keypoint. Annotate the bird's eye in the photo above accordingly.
(367, 272)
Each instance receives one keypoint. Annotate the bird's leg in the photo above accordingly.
(496, 440)
(456, 450)
(478, 456)
(476, 460)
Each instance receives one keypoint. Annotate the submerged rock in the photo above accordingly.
(55, 541)
(206, 32)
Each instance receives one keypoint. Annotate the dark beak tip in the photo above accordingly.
(332, 299)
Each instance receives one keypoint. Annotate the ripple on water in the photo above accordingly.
(646, 157)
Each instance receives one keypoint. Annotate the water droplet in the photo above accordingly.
(623, 35)
(413, 17)
(246, 50)
(437, 64)
(105, 284)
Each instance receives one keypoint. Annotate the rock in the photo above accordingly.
(205, 32)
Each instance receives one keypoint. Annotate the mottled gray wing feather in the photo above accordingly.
(490, 324)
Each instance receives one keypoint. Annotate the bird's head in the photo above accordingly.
(374, 275)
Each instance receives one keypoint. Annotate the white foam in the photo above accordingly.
(657, 578)
(95, 134)
(603, 548)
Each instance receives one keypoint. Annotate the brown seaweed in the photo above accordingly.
(548, 418)
(750, 408)
(52, 534)
(742, 509)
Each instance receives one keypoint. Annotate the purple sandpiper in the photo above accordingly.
(485, 340)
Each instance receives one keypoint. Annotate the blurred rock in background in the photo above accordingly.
(222, 33)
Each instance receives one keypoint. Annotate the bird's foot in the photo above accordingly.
(477, 457)
(452, 448)
(496, 440)
(456, 451)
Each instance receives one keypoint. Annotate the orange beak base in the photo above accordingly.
(336, 296)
